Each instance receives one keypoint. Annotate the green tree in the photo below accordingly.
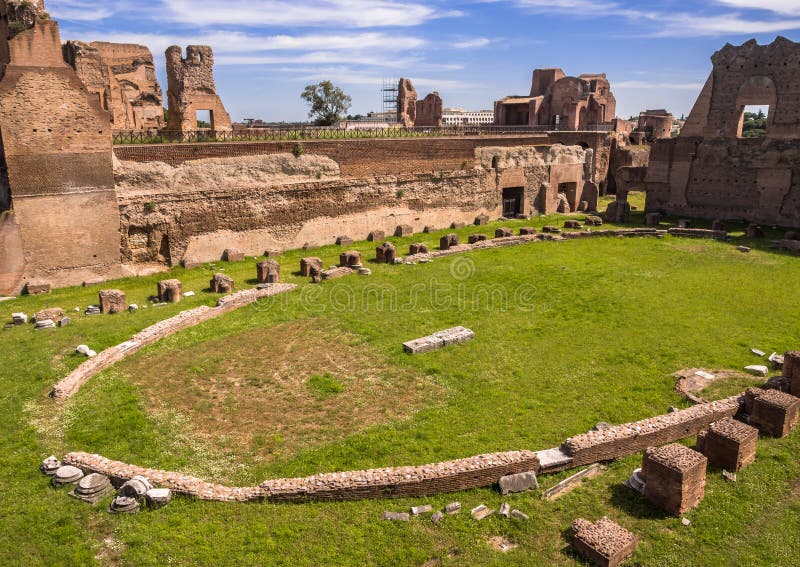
(328, 103)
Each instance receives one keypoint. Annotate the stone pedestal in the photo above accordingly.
(418, 248)
(791, 371)
(54, 314)
(310, 265)
(603, 543)
(774, 413)
(268, 272)
(37, 288)
(170, 291)
(675, 477)
(448, 241)
(351, 259)
(386, 253)
(572, 224)
(527, 231)
(112, 301)
(344, 241)
(404, 230)
(503, 233)
(473, 238)
(593, 220)
(730, 444)
(221, 283)
(233, 255)
(376, 236)
(481, 220)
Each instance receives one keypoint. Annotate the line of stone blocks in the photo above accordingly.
(675, 477)
(772, 412)
(603, 543)
(730, 444)
(436, 341)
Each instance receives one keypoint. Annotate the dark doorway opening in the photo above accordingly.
(571, 192)
(512, 201)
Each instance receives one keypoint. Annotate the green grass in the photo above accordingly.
(568, 334)
(324, 386)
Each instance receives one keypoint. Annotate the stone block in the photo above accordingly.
(503, 232)
(521, 482)
(386, 253)
(65, 322)
(517, 515)
(618, 212)
(269, 272)
(404, 230)
(719, 225)
(757, 370)
(112, 301)
(505, 510)
(652, 219)
(791, 370)
(423, 345)
(455, 336)
(350, 259)
(54, 314)
(448, 241)
(37, 288)
(551, 230)
(158, 497)
(376, 236)
(730, 444)
(424, 509)
(603, 543)
(475, 238)
(308, 266)
(396, 516)
(418, 248)
(481, 220)
(457, 225)
(92, 488)
(772, 412)
(344, 241)
(754, 231)
(170, 291)
(593, 220)
(335, 273)
(453, 508)
(527, 231)
(675, 477)
(437, 517)
(428, 229)
(480, 512)
(222, 283)
(232, 255)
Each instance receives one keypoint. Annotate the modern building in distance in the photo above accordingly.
(461, 117)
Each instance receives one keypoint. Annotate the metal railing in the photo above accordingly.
(135, 137)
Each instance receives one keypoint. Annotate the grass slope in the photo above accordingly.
(568, 334)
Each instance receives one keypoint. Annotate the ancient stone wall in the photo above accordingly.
(57, 150)
(412, 112)
(191, 88)
(197, 210)
(709, 171)
(429, 111)
(123, 78)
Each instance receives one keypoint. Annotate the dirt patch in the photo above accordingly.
(712, 384)
(501, 544)
(275, 391)
(796, 487)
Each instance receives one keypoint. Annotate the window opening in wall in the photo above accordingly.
(753, 122)
(204, 120)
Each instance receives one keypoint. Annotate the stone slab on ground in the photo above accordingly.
(396, 516)
(569, 484)
(436, 341)
(521, 482)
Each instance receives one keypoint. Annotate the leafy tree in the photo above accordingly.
(755, 124)
(328, 103)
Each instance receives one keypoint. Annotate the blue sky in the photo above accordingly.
(656, 54)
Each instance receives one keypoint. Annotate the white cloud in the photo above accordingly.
(787, 7)
(347, 76)
(472, 43)
(328, 13)
(689, 25)
(84, 10)
(239, 42)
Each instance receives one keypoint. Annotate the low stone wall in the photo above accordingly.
(185, 319)
(631, 438)
(425, 480)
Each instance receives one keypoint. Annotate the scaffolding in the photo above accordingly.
(389, 95)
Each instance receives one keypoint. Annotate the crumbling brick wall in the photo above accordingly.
(57, 149)
(191, 88)
(412, 112)
(709, 171)
(123, 77)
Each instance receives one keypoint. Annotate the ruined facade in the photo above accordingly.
(123, 77)
(412, 112)
(572, 103)
(56, 148)
(655, 124)
(709, 170)
(191, 89)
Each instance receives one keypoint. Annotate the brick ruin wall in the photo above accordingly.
(204, 208)
(709, 171)
(191, 88)
(57, 148)
(123, 77)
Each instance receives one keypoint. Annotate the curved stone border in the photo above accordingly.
(425, 480)
(183, 320)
